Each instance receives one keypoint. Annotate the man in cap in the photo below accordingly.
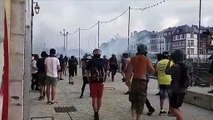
(95, 74)
(137, 69)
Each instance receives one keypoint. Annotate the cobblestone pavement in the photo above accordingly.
(115, 105)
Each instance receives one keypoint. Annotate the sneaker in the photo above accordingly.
(81, 96)
(123, 79)
(53, 102)
(72, 83)
(158, 93)
(127, 93)
(41, 98)
(96, 116)
(211, 91)
(170, 114)
(49, 102)
(162, 112)
(151, 111)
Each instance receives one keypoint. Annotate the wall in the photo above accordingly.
(16, 68)
(1, 52)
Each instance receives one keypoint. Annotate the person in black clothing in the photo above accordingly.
(211, 77)
(106, 66)
(65, 65)
(148, 104)
(42, 74)
(84, 61)
(76, 66)
(95, 74)
(113, 64)
(61, 60)
(72, 65)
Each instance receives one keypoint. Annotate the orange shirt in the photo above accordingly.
(140, 66)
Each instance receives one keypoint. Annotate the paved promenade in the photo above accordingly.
(115, 104)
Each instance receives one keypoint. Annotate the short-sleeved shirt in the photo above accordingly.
(51, 66)
(163, 78)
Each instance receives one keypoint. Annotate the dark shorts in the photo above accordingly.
(176, 99)
(164, 91)
(34, 76)
(96, 90)
(51, 81)
(71, 72)
(137, 95)
(85, 80)
(42, 78)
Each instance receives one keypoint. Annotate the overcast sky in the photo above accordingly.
(71, 14)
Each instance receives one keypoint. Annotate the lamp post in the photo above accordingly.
(37, 9)
(128, 30)
(65, 34)
(198, 42)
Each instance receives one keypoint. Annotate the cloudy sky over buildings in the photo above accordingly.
(71, 14)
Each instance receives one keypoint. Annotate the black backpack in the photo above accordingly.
(186, 79)
(96, 70)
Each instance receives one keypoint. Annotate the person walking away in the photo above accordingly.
(124, 62)
(52, 66)
(137, 69)
(211, 76)
(61, 60)
(65, 65)
(84, 62)
(106, 67)
(72, 65)
(76, 66)
(151, 109)
(95, 72)
(34, 70)
(164, 81)
(113, 64)
(42, 74)
(180, 78)
(159, 57)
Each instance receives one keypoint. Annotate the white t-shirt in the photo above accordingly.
(52, 69)
(34, 68)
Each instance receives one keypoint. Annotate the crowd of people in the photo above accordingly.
(172, 75)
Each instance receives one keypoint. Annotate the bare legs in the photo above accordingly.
(52, 93)
(96, 104)
(178, 113)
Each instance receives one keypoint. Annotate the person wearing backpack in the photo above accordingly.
(180, 81)
(95, 74)
(113, 66)
(72, 64)
(84, 61)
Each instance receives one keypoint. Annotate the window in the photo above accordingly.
(182, 36)
(192, 51)
(190, 43)
(178, 37)
(192, 35)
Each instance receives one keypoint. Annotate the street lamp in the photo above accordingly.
(65, 34)
(37, 9)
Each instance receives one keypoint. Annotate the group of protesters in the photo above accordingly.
(170, 71)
